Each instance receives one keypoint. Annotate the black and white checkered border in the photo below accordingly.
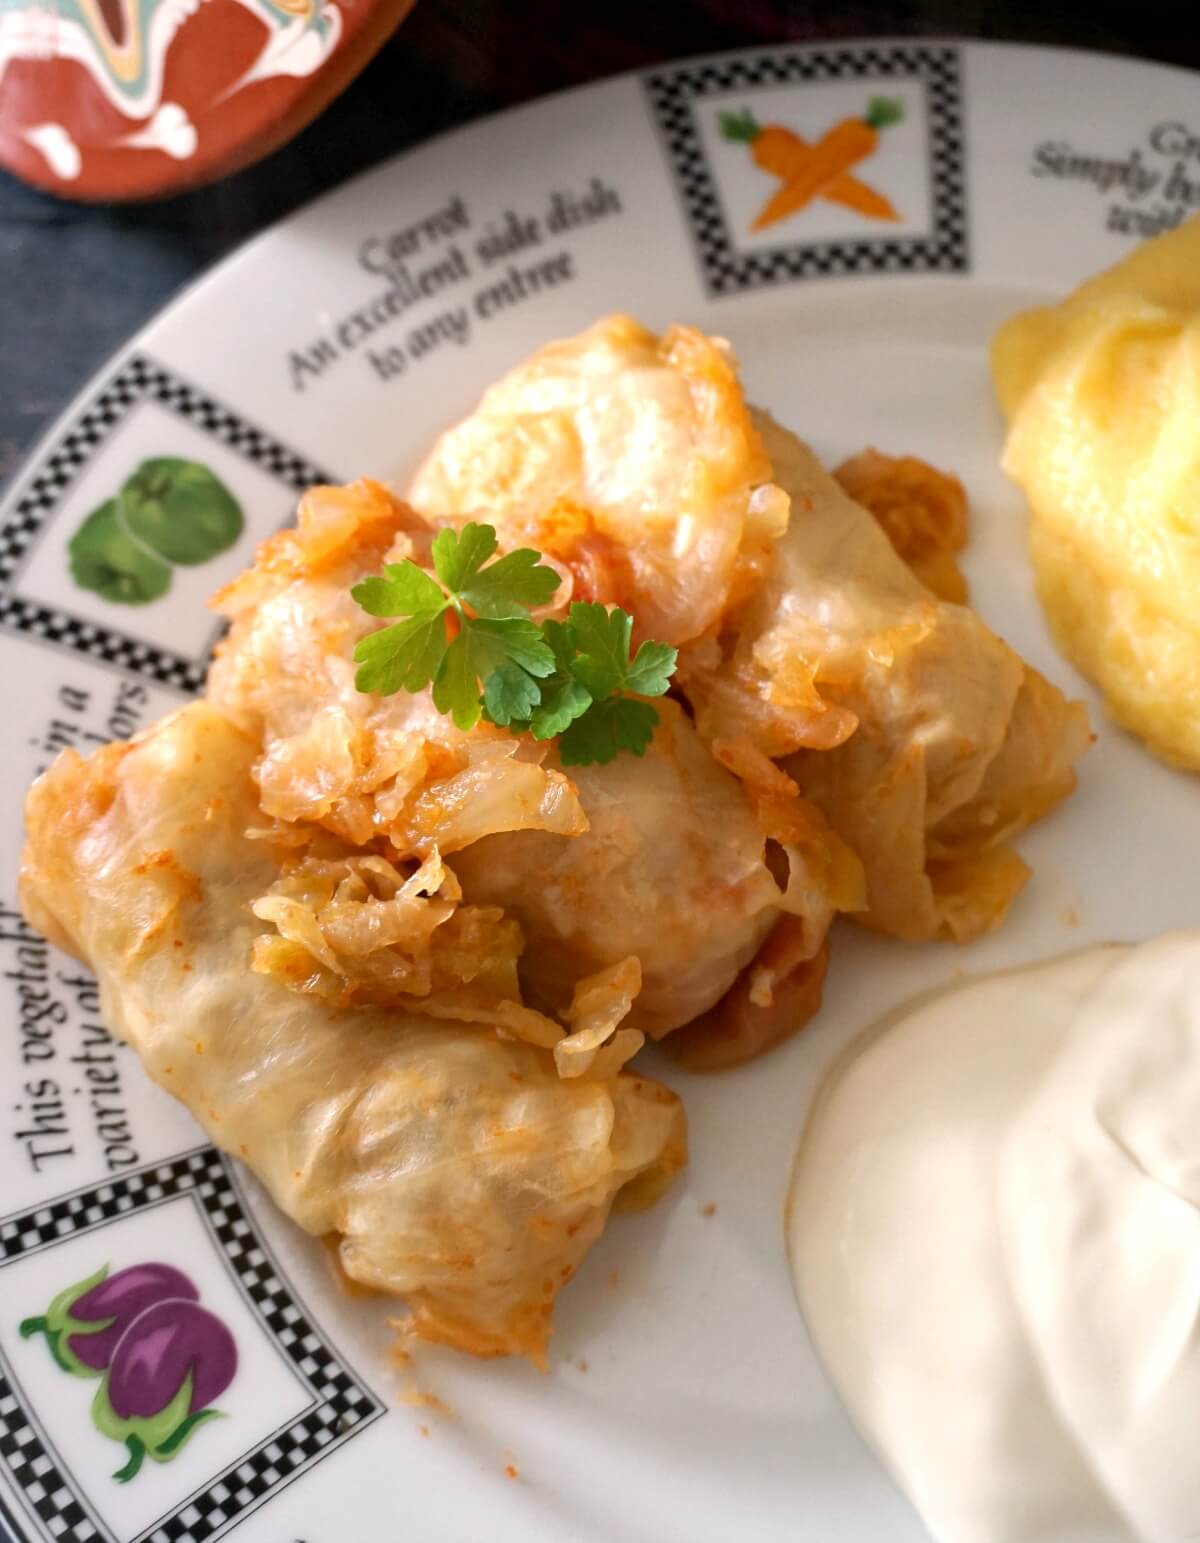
(30, 619)
(675, 93)
(341, 1406)
(138, 379)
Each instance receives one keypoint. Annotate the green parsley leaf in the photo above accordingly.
(562, 644)
(563, 700)
(510, 695)
(402, 589)
(603, 666)
(566, 679)
(602, 639)
(511, 585)
(493, 640)
(459, 555)
(456, 685)
(483, 646)
(401, 658)
(607, 728)
(651, 670)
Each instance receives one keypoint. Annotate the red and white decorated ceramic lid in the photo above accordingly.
(120, 99)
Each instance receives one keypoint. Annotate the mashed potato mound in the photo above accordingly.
(1102, 393)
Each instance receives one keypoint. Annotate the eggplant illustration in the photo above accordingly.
(83, 1324)
(167, 1367)
(161, 1357)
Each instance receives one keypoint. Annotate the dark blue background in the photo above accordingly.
(75, 281)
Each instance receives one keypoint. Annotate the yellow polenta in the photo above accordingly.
(1102, 394)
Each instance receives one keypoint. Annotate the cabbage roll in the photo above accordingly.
(451, 1161)
(663, 857)
(954, 744)
(819, 668)
(629, 457)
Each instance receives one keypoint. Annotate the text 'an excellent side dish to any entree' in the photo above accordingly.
(588, 741)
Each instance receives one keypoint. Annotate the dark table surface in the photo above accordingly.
(75, 281)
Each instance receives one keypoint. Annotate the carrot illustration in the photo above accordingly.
(821, 170)
(861, 197)
(841, 147)
(774, 148)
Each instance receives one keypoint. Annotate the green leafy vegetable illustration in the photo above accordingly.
(105, 558)
(180, 510)
(169, 511)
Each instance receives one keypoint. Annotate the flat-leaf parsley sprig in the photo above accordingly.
(470, 634)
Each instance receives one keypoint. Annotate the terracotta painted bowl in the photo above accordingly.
(125, 99)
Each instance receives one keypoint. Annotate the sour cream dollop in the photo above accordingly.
(994, 1230)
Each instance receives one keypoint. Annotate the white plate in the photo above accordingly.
(685, 1402)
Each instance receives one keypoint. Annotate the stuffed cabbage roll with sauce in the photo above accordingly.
(818, 666)
(662, 857)
(630, 458)
(449, 1158)
(956, 744)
